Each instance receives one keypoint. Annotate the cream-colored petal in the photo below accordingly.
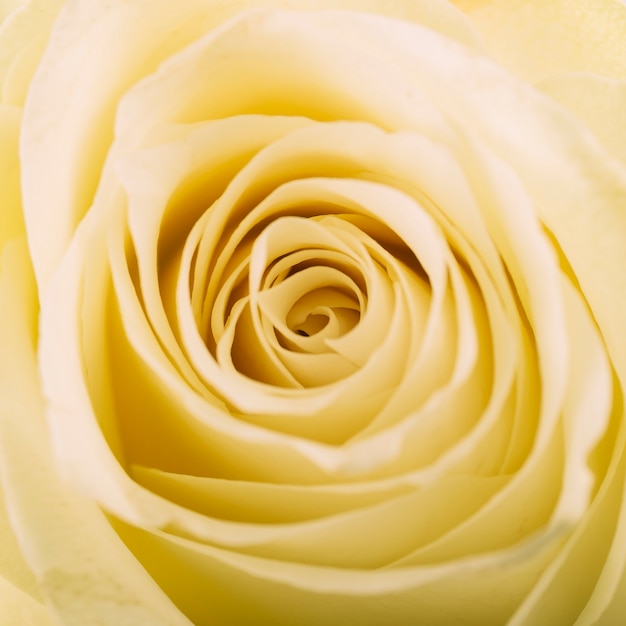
(83, 568)
(14, 571)
(584, 562)
(11, 219)
(606, 604)
(400, 524)
(598, 101)
(20, 598)
(477, 591)
(24, 34)
(79, 420)
(262, 502)
(587, 407)
(17, 578)
(8, 6)
(18, 608)
(540, 38)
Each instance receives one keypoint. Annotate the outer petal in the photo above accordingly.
(7, 6)
(20, 597)
(540, 38)
(598, 101)
(11, 220)
(82, 565)
(24, 31)
(18, 608)
(19, 590)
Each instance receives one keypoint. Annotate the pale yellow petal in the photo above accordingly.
(540, 38)
(14, 571)
(8, 6)
(11, 219)
(598, 101)
(83, 568)
(470, 591)
(585, 561)
(262, 502)
(23, 37)
(20, 609)
(607, 603)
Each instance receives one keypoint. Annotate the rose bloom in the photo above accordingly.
(312, 312)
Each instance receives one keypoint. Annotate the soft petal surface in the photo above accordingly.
(70, 546)
(540, 38)
(598, 101)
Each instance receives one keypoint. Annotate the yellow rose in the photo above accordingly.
(312, 312)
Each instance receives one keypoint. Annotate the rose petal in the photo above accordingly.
(540, 38)
(259, 502)
(598, 101)
(17, 607)
(88, 574)
(464, 592)
(581, 562)
(24, 33)
(11, 219)
(8, 7)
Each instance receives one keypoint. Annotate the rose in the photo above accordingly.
(532, 549)
(487, 519)
(379, 381)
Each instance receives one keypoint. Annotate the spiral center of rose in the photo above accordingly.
(300, 300)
